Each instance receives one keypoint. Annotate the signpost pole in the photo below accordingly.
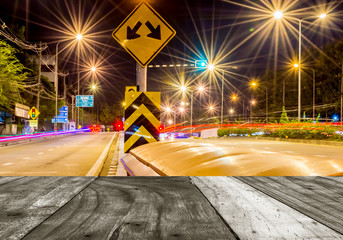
(141, 77)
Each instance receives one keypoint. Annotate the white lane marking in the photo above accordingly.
(287, 151)
(101, 159)
(7, 164)
(322, 156)
(51, 150)
(40, 153)
(266, 147)
(26, 158)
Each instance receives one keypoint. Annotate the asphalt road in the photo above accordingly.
(241, 157)
(65, 156)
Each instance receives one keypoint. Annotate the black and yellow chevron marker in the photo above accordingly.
(142, 118)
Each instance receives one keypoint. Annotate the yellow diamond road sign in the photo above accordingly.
(33, 113)
(143, 33)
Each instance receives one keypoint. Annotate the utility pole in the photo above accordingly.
(283, 93)
(72, 107)
(39, 80)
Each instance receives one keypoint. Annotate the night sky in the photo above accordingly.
(196, 23)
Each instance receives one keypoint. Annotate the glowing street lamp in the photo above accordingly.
(295, 65)
(79, 37)
(93, 69)
(322, 16)
(253, 84)
(234, 98)
(183, 88)
(278, 15)
(210, 67)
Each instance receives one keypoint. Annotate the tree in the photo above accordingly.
(110, 113)
(12, 75)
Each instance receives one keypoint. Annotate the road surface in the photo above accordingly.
(241, 157)
(65, 156)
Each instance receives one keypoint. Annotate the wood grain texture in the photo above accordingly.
(318, 197)
(135, 208)
(254, 215)
(28, 201)
(4, 180)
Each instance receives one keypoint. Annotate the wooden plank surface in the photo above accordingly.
(136, 208)
(4, 180)
(318, 197)
(254, 215)
(27, 202)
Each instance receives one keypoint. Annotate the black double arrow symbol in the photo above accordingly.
(154, 32)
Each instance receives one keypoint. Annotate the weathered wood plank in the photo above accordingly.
(254, 215)
(318, 197)
(28, 201)
(4, 180)
(135, 208)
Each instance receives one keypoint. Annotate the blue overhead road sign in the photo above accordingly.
(63, 116)
(84, 101)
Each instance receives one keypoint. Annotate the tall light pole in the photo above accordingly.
(314, 93)
(79, 38)
(199, 89)
(279, 15)
(252, 103)
(322, 16)
(211, 67)
(56, 85)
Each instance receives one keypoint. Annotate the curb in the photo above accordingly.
(96, 169)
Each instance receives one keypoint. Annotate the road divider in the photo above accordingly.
(220, 158)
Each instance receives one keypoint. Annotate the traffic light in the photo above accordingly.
(33, 113)
(161, 128)
(200, 64)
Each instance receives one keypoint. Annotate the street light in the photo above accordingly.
(93, 69)
(278, 15)
(184, 89)
(79, 38)
(321, 16)
(210, 67)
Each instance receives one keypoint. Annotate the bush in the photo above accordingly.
(292, 131)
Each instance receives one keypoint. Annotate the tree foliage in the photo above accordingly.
(12, 75)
